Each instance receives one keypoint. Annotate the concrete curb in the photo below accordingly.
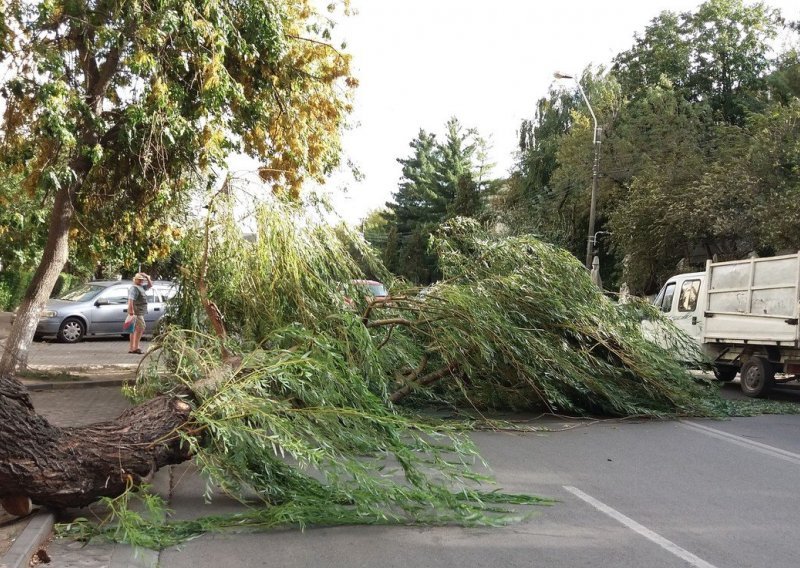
(106, 376)
(38, 530)
(59, 385)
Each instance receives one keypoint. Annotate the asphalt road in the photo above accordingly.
(698, 493)
(706, 494)
(90, 353)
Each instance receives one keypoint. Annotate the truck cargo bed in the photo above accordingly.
(753, 301)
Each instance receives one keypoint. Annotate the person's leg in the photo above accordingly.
(137, 333)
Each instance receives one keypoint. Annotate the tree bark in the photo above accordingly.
(54, 257)
(73, 467)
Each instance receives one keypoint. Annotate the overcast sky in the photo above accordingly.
(486, 62)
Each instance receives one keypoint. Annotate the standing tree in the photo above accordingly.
(441, 180)
(720, 53)
(116, 109)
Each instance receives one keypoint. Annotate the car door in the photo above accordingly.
(155, 309)
(110, 310)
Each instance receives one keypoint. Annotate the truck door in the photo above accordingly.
(680, 301)
(684, 312)
(654, 330)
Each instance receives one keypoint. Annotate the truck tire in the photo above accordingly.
(757, 377)
(725, 373)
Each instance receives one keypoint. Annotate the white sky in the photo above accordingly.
(486, 62)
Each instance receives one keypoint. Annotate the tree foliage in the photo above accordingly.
(441, 180)
(720, 54)
(696, 159)
(119, 109)
(305, 421)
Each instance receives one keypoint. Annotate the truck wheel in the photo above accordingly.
(757, 376)
(725, 373)
(71, 331)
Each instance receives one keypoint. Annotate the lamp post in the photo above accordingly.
(590, 241)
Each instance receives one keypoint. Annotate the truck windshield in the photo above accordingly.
(664, 299)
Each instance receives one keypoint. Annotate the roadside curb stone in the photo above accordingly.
(32, 537)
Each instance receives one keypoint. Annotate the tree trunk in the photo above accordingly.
(54, 257)
(72, 467)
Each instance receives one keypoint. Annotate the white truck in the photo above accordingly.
(744, 314)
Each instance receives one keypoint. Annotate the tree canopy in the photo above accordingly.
(115, 111)
(441, 180)
(697, 158)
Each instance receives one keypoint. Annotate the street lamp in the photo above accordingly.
(590, 241)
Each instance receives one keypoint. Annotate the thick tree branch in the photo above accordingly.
(428, 379)
(390, 321)
(72, 467)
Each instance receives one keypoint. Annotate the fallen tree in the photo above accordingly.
(73, 467)
(294, 398)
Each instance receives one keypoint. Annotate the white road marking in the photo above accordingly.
(667, 545)
(790, 457)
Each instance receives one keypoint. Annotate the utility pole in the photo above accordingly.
(590, 239)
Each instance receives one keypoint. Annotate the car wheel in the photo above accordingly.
(71, 331)
(757, 376)
(725, 373)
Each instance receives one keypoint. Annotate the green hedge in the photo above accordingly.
(13, 286)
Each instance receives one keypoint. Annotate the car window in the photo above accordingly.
(166, 292)
(377, 290)
(116, 296)
(83, 293)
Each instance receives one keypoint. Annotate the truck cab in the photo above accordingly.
(682, 300)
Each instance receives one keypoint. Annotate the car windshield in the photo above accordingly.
(377, 289)
(82, 293)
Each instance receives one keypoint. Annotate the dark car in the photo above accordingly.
(99, 308)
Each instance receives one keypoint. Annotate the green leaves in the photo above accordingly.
(305, 425)
(440, 180)
(137, 97)
(683, 170)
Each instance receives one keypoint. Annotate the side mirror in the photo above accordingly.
(101, 302)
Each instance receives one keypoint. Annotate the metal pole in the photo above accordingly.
(595, 172)
(590, 239)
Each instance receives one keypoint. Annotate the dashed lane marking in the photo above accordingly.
(784, 455)
(640, 529)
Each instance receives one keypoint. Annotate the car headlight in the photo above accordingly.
(48, 314)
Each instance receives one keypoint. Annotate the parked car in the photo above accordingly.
(99, 308)
(367, 289)
(373, 288)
